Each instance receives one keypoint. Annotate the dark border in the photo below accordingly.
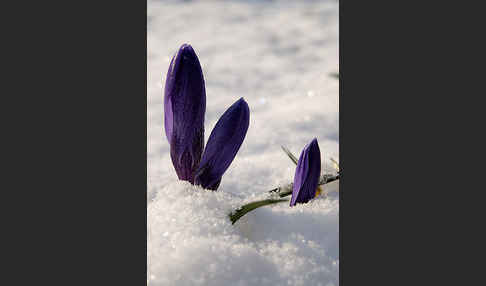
(78, 159)
(341, 157)
(398, 117)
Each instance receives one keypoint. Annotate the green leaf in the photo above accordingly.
(336, 164)
(236, 215)
(291, 156)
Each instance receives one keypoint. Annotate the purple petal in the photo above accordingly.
(184, 109)
(307, 174)
(223, 144)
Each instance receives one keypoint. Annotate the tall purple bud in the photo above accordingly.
(223, 144)
(184, 109)
(307, 174)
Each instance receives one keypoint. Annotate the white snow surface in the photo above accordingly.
(278, 55)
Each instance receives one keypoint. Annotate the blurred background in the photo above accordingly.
(279, 55)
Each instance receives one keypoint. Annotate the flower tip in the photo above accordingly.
(313, 144)
(186, 53)
(242, 104)
(186, 48)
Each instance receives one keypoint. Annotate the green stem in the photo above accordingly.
(291, 156)
(236, 215)
(282, 192)
(251, 206)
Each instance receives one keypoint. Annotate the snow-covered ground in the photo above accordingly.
(277, 55)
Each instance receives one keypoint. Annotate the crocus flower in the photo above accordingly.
(184, 109)
(307, 174)
(223, 144)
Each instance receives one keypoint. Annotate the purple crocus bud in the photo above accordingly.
(184, 109)
(223, 144)
(307, 174)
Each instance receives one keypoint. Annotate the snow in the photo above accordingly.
(278, 55)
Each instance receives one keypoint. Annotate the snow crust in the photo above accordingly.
(192, 242)
(278, 55)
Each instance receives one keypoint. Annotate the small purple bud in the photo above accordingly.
(223, 144)
(184, 109)
(307, 174)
